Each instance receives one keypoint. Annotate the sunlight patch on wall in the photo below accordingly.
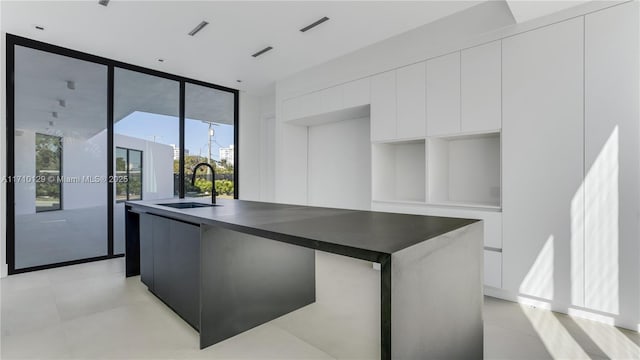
(601, 230)
(539, 279)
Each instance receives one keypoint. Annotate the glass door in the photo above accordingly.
(60, 159)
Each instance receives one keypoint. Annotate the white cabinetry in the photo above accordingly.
(493, 268)
(331, 99)
(464, 170)
(612, 149)
(398, 171)
(443, 95)
(411, 98)
(542, 139)
(481, 88)
(302, 106)
(357, 93)
(342, 102)
(383, 106)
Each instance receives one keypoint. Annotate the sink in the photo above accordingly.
(188, 205)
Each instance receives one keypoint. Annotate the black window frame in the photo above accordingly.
(127, 182)
(60, 172)
(14, 40)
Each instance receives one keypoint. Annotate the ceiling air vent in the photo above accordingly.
(103, 2)
(268, 48)
(198, 28)
(314, 24)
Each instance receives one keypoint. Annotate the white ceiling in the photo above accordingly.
(140, 32)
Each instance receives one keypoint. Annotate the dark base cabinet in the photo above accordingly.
(170, 264)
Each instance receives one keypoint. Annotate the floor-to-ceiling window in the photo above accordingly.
(59, 156)
(209, 137)
(147, 119)
(87, 134)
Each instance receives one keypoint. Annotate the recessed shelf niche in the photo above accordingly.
(399, 171)
(464, 170)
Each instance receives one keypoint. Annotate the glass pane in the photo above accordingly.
(60, 132)
(135, 175)
(48, 166)
(121, 173)
(146, 116)
(209, 138)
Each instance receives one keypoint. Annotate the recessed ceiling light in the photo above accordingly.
(314, 24)
(103, 2)
(38, 27)
(198, 28)
(71, 85)
(54, 114)
(160, 60)
(50, 123)
(239, 81)
(268, 48)
(62, 103)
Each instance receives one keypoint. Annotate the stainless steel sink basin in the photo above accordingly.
(187, 205)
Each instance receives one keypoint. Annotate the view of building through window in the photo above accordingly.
(128, 174)
(48, 165)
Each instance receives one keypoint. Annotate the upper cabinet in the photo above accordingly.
(481, 88)
(302, 106)
(443, 95)
(411, 101)
(398, 100)
(341, 102)
(357, 93)
(383, 106)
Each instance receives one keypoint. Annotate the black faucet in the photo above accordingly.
(213, 179)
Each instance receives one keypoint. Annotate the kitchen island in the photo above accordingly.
(229, 268)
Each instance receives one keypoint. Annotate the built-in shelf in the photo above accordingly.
(399, 172)
(464, 170)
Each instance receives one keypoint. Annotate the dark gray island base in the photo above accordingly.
(229, 268)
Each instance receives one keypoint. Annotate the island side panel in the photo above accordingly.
(437, 297)
(132, 242)
(248, 280)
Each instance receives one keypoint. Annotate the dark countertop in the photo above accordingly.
(366, 235)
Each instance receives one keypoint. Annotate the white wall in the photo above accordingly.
(340, 164)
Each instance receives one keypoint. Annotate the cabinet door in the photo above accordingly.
(161, 255)
(443, 95)
(302, 106)
(411, 98)
(383, 106)
(184, 265)
(356, 93)
(493, 268)
(543, 161)
(612, 147)
(332, 99)
(146, 250)
(481, 90)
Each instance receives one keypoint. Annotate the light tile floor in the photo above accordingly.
(92, 311)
